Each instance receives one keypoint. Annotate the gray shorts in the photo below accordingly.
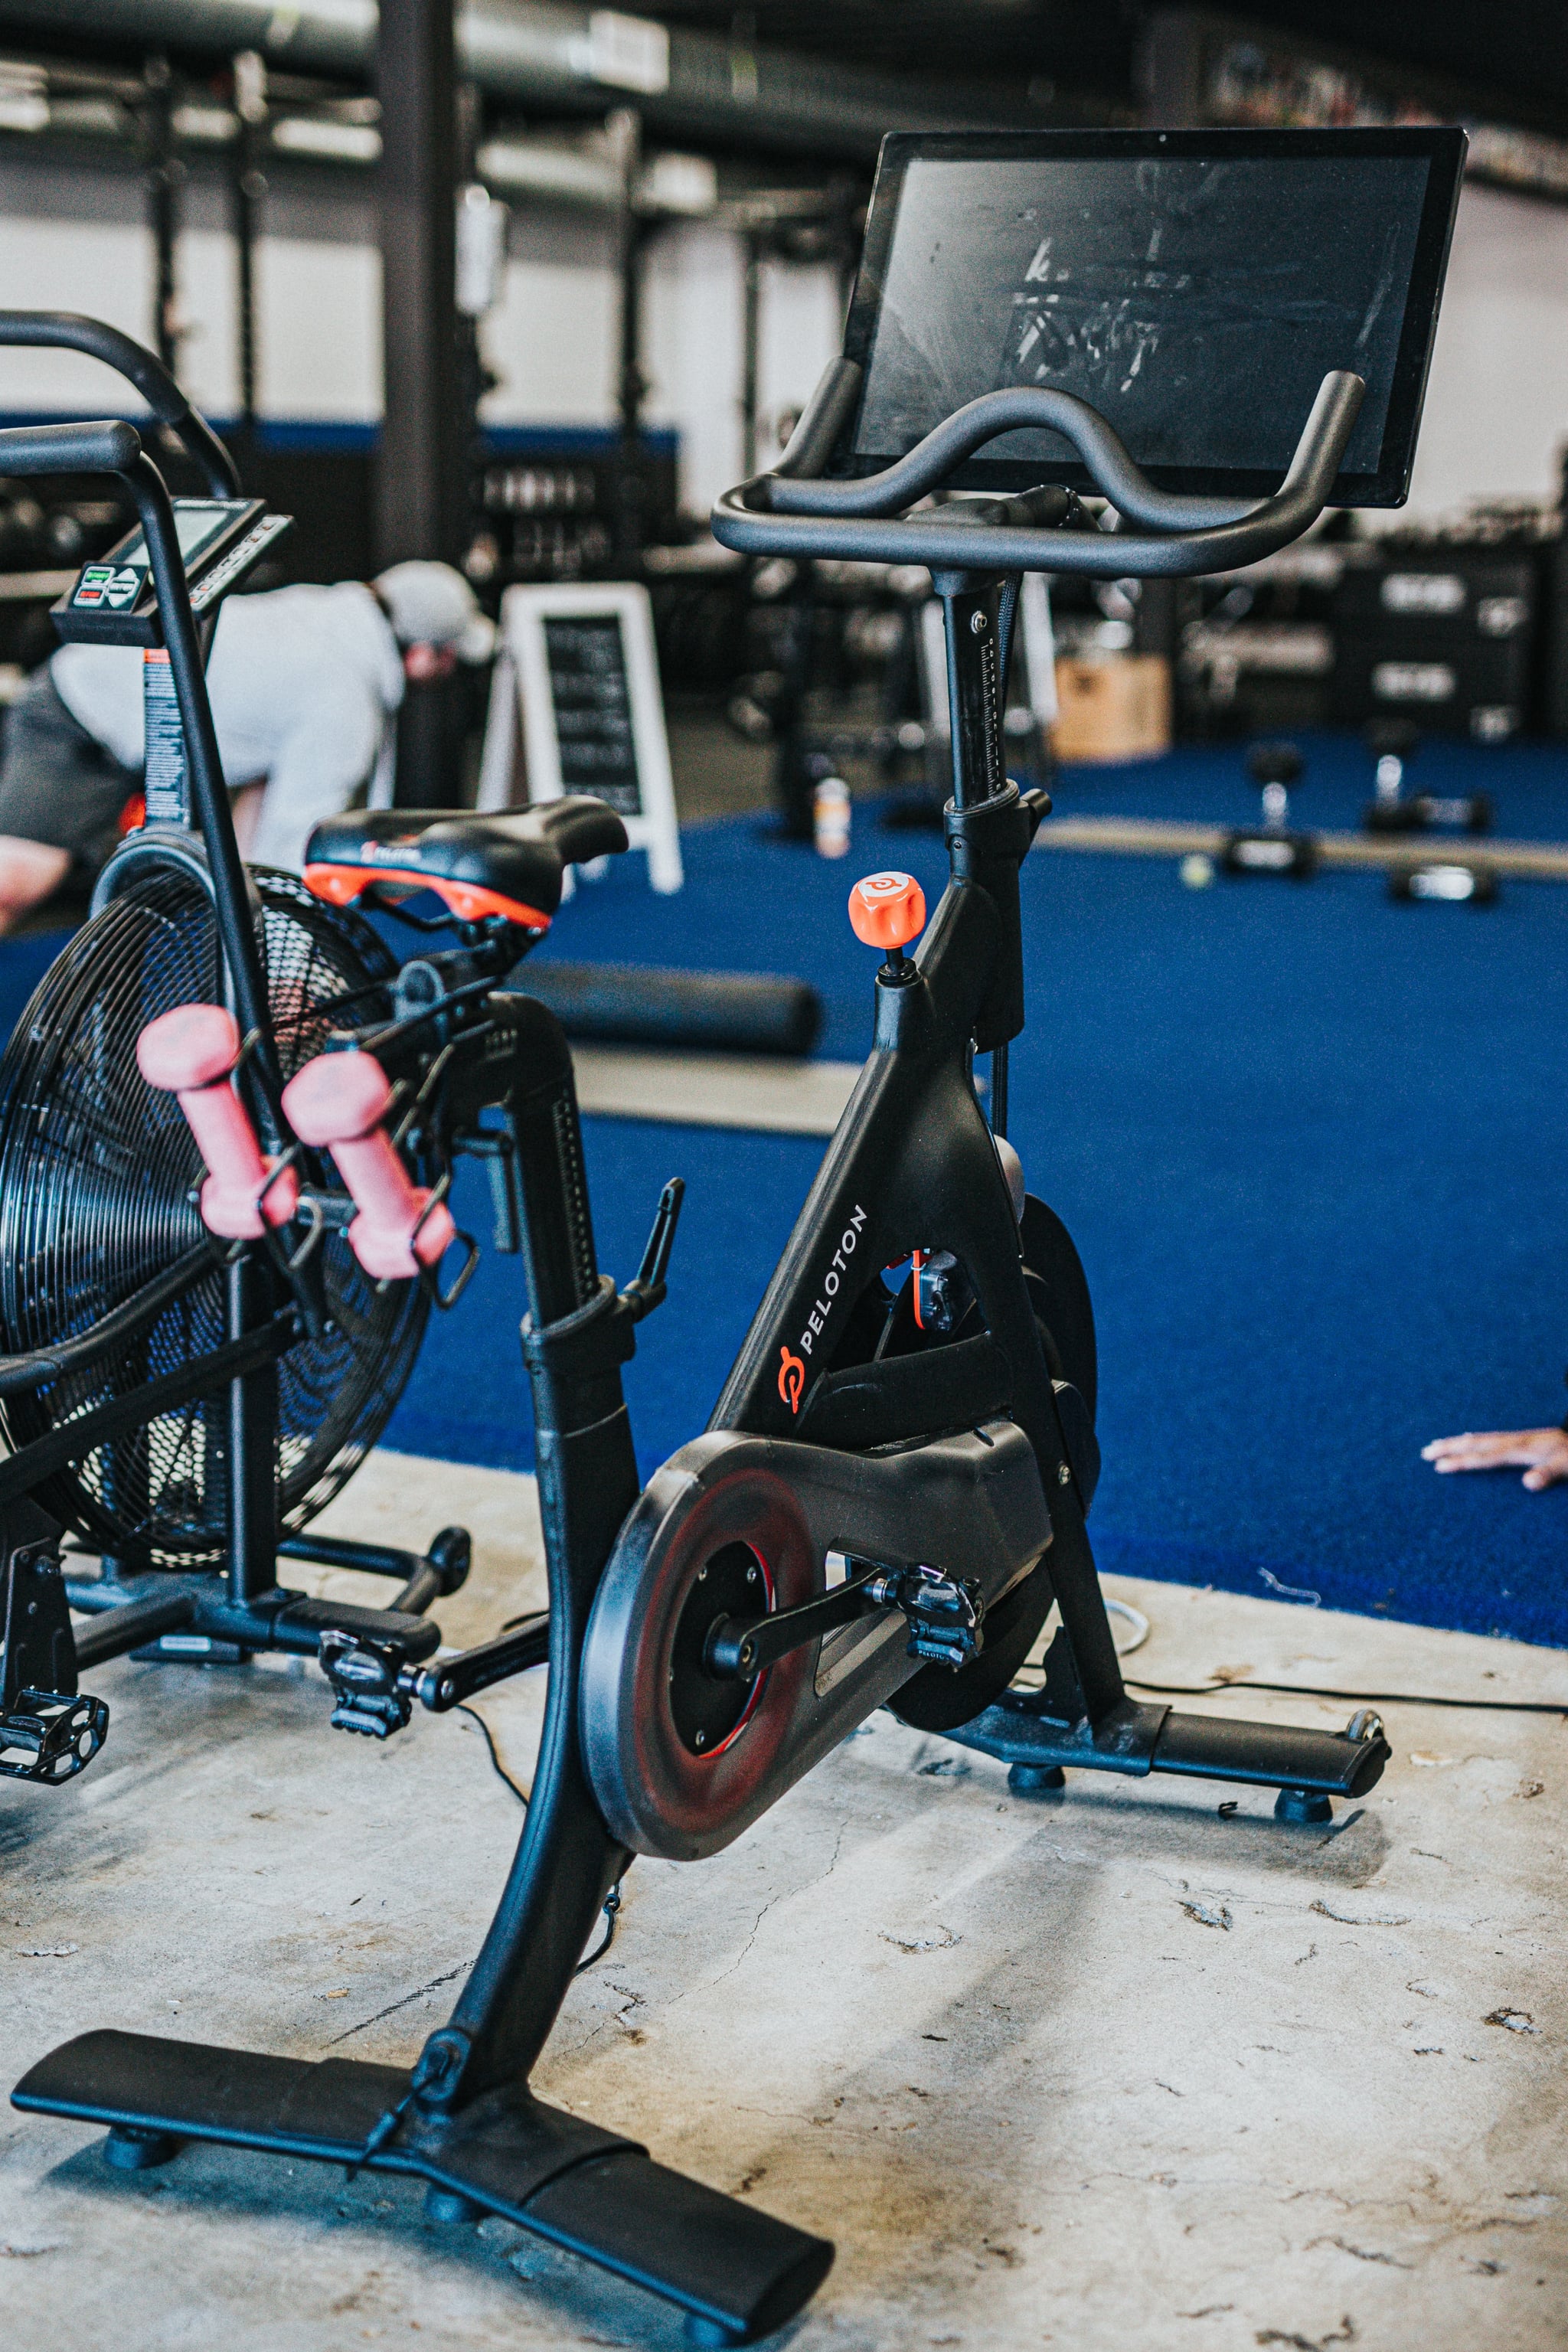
(57, 783)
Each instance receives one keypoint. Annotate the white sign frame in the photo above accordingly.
(524, 613)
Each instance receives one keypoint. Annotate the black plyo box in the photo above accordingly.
(1438, 597)
(1478, 690)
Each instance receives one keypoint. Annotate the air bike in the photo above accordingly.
(890, 1495)
(191, 1373)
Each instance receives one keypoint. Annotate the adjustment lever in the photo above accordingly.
(647, 1289)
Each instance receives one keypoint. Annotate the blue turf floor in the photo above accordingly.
(1312, 1145)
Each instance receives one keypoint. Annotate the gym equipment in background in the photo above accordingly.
(915, 1397)
(838, 625)
(1445, 883)
(1272, 847)
(1393, 743)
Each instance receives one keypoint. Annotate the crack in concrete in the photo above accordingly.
(392, 2006)
(1343, 2333)
(1362, 2254)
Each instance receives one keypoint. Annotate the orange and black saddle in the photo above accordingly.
(510, 865)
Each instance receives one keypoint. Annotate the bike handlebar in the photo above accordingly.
(110, 447)
(795, 511)
(65, 330)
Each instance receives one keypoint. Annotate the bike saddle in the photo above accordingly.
(509, 864)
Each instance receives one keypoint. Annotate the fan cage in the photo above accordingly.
(98, 1186)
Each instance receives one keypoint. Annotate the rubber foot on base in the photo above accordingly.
(708, 2332)
(1302, 1805)
(1028, 1780)
(450, 2205)
(138, 2151)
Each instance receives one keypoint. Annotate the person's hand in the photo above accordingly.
(1543, 1452)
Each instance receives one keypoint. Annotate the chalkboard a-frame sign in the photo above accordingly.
(592, 718)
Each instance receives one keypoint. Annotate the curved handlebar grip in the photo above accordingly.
(68, 331)
(854, 520)
(110, 447)
(1022, 407)
(822, 419)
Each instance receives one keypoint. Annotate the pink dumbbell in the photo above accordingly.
(191, 1053)
(337, 1102)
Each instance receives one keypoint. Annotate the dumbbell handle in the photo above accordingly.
(336, 1103)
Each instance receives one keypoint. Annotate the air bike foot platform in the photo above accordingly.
(736, 2272)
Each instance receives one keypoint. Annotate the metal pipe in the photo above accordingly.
(572, 58)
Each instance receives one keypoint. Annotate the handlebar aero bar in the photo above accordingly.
(65, 330)
(115, 447)
(792, 510)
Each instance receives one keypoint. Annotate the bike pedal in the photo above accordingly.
(364, 1676)
(946, 1617)
(50, 1737)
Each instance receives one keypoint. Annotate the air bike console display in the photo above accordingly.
(115, 600)
(1220, 335)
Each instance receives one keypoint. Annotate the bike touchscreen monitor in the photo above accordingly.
(1193, 287)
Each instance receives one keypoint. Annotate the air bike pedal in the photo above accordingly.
(49, 1730)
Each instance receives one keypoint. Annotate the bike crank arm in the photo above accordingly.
(945, 1615)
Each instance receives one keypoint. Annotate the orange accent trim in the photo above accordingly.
(917, 1259)
(470, 901)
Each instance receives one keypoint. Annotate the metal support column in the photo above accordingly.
(751, 337)
(246, 189)
(628, 522)
(164, 175)
(421, 495)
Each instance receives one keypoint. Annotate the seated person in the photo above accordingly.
(1543, 1454)
(305, 685)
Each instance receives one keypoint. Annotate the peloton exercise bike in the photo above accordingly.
(914, 1401)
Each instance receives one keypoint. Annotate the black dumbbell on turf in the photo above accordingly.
(1272, 847)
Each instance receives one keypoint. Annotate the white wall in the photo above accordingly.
(76, 239)
(1497, 402)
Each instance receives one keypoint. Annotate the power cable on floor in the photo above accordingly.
(1356, 1698)
(520, 1794)
(611, 1900)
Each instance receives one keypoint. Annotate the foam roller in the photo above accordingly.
(638, 1004)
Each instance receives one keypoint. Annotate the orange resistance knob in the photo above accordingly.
(888, 911)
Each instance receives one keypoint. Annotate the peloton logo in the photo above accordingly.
(792, 1370)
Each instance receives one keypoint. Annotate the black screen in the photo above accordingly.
(1195, 299)
(594, 729)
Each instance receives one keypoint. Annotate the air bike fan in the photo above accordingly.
(182, 1393)
(98, 1176)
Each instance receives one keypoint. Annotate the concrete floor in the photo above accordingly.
(1004, 2051)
